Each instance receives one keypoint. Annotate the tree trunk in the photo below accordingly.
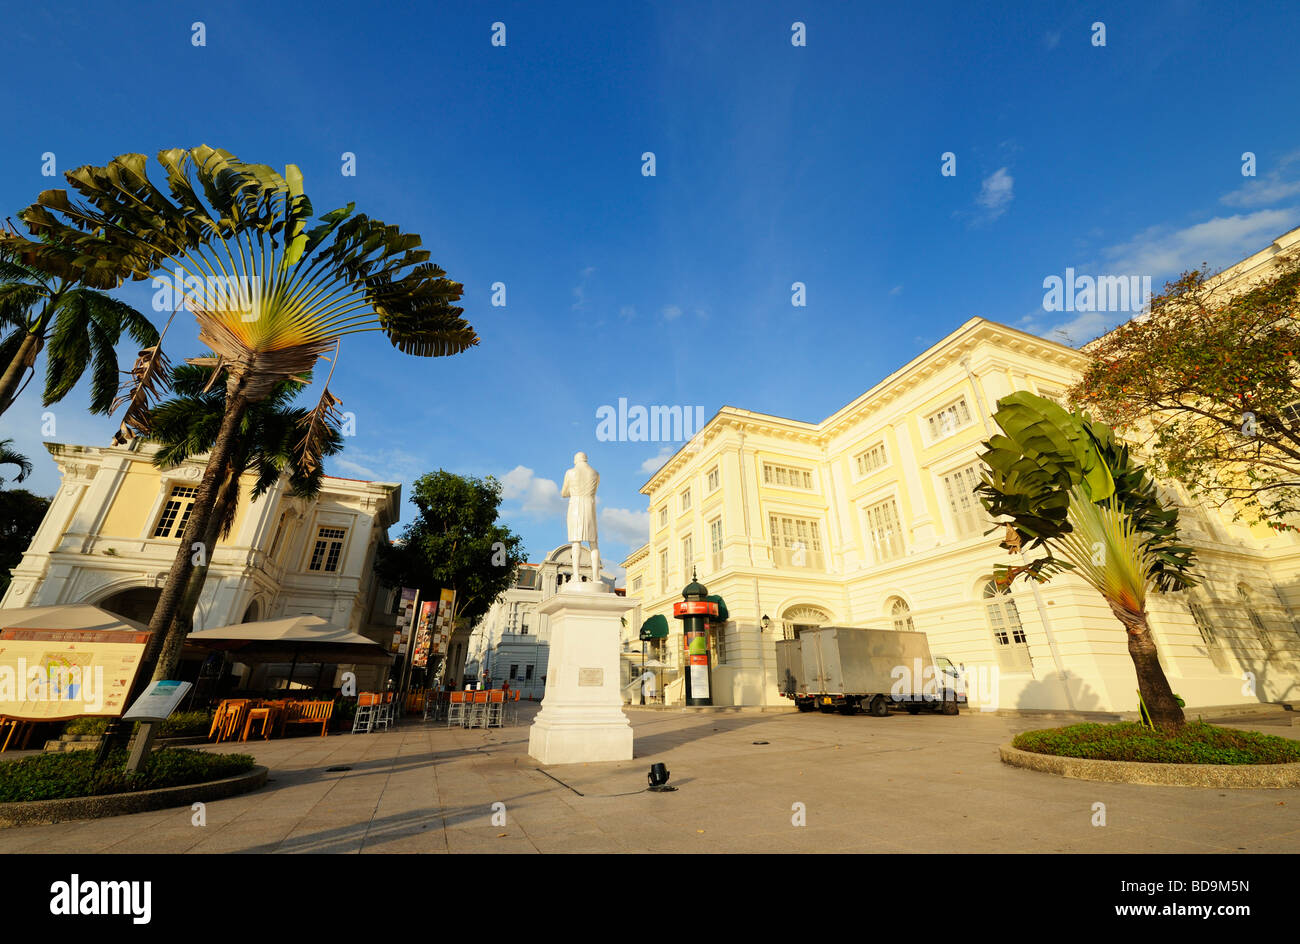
(1154, 688)
(164, 636)
(183, 622)
(26, 357)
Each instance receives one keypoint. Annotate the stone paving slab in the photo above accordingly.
(921, 784)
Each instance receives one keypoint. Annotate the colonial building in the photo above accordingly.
(511, 643)
(867, 518)
(111, 533)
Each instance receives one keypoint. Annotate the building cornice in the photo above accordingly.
(950, 351)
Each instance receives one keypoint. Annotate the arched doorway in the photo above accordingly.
(251, 614)
(799, 618)
(136, 603)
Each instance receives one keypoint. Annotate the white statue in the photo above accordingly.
(580, 489)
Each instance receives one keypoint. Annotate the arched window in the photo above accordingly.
(799, 618)
(901, 614)
(1010, 643)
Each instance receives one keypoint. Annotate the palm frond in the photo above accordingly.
(10, 456)
(145, 383)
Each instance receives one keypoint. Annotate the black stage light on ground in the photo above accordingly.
(658, 779)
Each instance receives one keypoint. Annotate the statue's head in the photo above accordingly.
(579, 458)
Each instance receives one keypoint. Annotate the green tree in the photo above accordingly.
(21, 513)
(272, 289)
(76, 325)
(1209, 381)
(1069, 486)
(454, 543)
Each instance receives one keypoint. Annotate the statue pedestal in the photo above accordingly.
(582, 718)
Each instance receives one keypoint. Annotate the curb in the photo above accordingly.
(1229, 776)
(41, 812)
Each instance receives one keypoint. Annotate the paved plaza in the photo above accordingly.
(899, 784)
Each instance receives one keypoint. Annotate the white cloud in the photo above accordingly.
(537, 496)
(1052, 40)
(627, 312)
(1161, 251)
(896, 290)
(671, 312)
(1273, 187)
(654, 463)
(624, 525)
(996, 193)
(580, 290)
(353, 470)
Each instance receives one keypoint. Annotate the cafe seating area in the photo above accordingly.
(236, 718)
(482, 709)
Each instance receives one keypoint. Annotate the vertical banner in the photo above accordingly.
(443, 627)
(423, 634)
(405, 618)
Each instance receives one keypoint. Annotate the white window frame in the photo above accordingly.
(330, 541)
(971, 521)
(184, 508)
(663, 515)
(712, 479)
(715, 542)
(785, 544)
(663, 570)
(688, 556)
(772, 471)
(1012, 654)
(859, 472)
(869, 531)
(929, 426)
(686, 500)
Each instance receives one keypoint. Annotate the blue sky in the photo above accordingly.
(522, 164)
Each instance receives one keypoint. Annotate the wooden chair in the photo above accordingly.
(12, 726)
(308, 712)
(233, 718)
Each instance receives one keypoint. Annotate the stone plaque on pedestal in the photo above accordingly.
(582, 719)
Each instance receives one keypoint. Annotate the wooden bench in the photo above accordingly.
(308, 712)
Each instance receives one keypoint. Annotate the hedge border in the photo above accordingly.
(44, 812)
(1229, 776)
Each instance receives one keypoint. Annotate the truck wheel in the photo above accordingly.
(850, 707)
(879, 707)
(805, 704)
(950, 707)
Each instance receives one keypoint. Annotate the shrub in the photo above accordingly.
(1197, 743)
(72, 774)
(180, 724)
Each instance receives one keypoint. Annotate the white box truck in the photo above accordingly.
(847, 668)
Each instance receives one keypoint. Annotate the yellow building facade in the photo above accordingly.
(112, 529)
(866, 518)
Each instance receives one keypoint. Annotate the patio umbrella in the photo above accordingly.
(292, 639)
(68, 616)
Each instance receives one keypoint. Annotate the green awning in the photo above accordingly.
(722, 609)
(656, 627)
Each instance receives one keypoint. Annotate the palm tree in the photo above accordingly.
(266, 447)
(10, 456)
(1069, 486)
(270, 294)
(81, 325)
